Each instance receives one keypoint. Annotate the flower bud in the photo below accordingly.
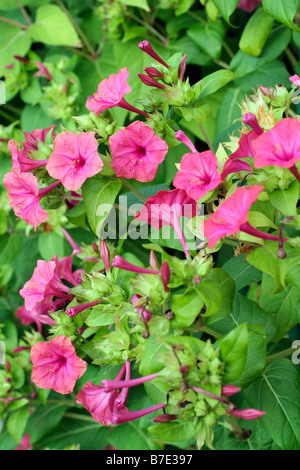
(164, 418)
(105, 255)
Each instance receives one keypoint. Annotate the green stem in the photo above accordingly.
(6, 116)
(206, 138)
(135, 191)
(221, 63)
(239, 432)
(15, 23)
(78, 29)
(150, 28)
(279, 355)
(80, 417)
(291, 57)
(210, 332)
(24, 12)
(82, 54)
(293, 114)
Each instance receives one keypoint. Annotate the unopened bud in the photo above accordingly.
(105, 255)
(182, 67)
(281, 253)
(165, 275)
(164, 418)
(150, 81)
(153, 72)
(153, 263)
(184, 369)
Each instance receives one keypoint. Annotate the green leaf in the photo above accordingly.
(136, 3)
(199, 114)
(277, 393)
(16, 422)
(174, 431)
(43, 420)
(213, 82)
(123, 437)
(211, 293)
(242, 272)
(285, 305)
(234, 347)
(285, 200)
(229, 110)
(269, 74)
(10, 247)
(245, 310)
(99, 194)
(50, 244)
(290, 270)
(282, 11)
(256, 32)
(208, 37)
(53, 27)
(149, 363)
(266, 260)
(186, 307)
(77, 215)
(256, 355)
(13, 41)
(258, 219)
(226, 286)
(226, 7)
(33, 117)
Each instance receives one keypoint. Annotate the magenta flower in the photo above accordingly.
(56, 365)
(120, 416)
(235, 166)
(166, 208)
(229, 390)
(38, 315)
(110, 93)
(146, 47)
(248, 5)
(295, 79)
(245, 143)
(100, 404)
(137, 152)
(247, 413)
(153, 72)
(232, 217)
(73, 244)
(111, 385)
(74, 159)
(149, 81)
(43, 285)
(119, 262)
(25, 443)
(279, 146)
(73, 311)
(181, 137)
(181, 68)
(43, 71)
(31, 143)
(198, 174)
(21, 163)
(64, 270)
(105, 255)
(24, 196)
(141, 310)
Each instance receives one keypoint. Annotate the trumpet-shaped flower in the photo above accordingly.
(198, 174)
(137, 152)
(56, 365)
(38, 315)
(74, 159)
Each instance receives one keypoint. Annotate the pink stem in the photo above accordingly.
(123, 104)
(48, 189)
(247, 228)
(118, 418)
(293, 169)
(111, 385)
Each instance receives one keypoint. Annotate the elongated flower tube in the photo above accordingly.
(245, 143)
(119, 262)
(180, 135)
(38, 315)
(43, 71)
(247, 413)
(105, 255)
(110, 385)
(73, 244)
(142, 311)
(153, 72)
(121, 399)
(73, 311)
(146, 47)
(125, 417)
(149, 81)
(229, 390)
(182, 67)
(232, 217)
(165, 275)
(21, 163)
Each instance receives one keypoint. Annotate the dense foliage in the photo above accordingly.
(149, 224)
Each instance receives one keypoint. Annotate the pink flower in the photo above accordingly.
(24, 197)
(232, 216)
(55, 365)
(166, 208)
(248, 5)
(120, 417)
(74, 159)
(229, 390)
(198, 174)
(279, 146)
(38, 315)
(181, 137)
(64, 270)
(73, 311)
(137, 152)
(31, 143)
(43, 285)
(295, 79)
(146, 47)
(141, 310)
(101, 404)
(245, 143)
(235, 166)
(110, 93)
(25, 443)
(149, 81)
(43, 71)
(247, 413)
(21, 163)
(73, 244)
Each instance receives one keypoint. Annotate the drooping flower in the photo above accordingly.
(180, 135)
(38, 315)
(74, 159)
(245, 148)
(248, 5)
(137, 152)
(21, 163)
(31, 140)
(111, 385)
(64, 270)
(110, 93)
(100, 404)
(198, 174)
(24, 196)
(232, 217)
(279, 146)
(43, 71)
(235, 166)
(166, 208)
(43, 285)
(56, 365)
